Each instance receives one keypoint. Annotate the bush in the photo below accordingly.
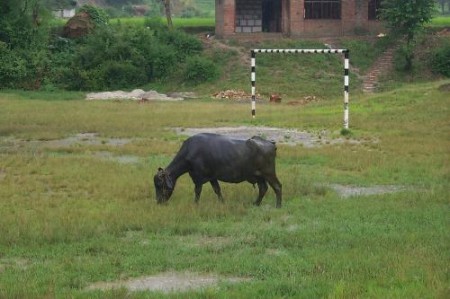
(200, 70)
(116, 75)
(22, 68)
(184, 44)
(13, 68)
(440, 60)
(98, 15)
(402, 57)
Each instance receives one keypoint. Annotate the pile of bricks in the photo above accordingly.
(233, 95)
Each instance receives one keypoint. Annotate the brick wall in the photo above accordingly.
(248, 16)
(245, 16)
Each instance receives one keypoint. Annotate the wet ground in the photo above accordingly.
(280, 135)
(168, 282)
(346, 191)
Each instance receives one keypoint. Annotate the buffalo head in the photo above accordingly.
(163, 185)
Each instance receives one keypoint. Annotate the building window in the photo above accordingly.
(374, 9)
(322, 9)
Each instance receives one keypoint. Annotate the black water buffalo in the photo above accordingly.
(211, 158)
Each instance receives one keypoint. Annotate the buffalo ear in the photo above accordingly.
(168, 181)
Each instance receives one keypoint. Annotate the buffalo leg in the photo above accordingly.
(276, 186)
(198, 191)
(216, 188)
(262, 186)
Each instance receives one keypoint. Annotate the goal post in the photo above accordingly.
(345, 52)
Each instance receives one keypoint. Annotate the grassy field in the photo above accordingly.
(72, 214)
(440, 21)
(177, 22)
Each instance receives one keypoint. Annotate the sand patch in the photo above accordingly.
(168, 282)
(137, 94)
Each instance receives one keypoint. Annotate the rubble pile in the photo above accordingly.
(234, 95)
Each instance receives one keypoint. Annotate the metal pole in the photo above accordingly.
(346, 90)
(253, 79)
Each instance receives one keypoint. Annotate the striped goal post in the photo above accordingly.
(303, 51)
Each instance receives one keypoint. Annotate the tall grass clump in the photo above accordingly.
(199, 69)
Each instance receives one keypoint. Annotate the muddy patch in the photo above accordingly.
(280, 135)
(81, 139)
(350, 191)
(122, 159)
(168, 282)
(84, 139)
(53, 147)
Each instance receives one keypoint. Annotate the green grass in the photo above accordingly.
(69, 219)
(177, 22)
(440, 21)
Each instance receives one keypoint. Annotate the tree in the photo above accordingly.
(405, 19)
(23, 43)
(22, 23)
(442, 3)
(168, 12)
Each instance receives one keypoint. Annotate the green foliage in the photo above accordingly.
(199, 69)
(440, 59)
(406, 19)
(98, 15)
(401, 62)
(346, 132)
(185, 45)
(122, 57)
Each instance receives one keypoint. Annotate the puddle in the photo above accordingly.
(85, 139)
(167, 282)
(350, 191)
(123, 159)
(82, 139)
(281, 136)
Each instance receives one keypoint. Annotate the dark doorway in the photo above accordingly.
(271, 15)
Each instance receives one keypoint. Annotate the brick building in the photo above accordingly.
(301, 18)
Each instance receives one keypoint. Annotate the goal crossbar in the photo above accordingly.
(304, 51)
